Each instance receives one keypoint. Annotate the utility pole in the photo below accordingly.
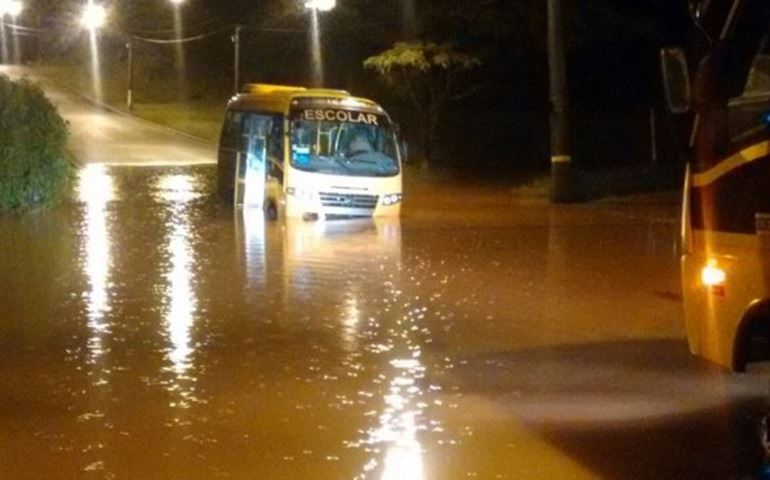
(561, 157)
(237, 60)
(130, 93)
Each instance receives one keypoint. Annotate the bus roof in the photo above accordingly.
(279, 98)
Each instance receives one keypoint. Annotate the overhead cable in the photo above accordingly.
(177, 41)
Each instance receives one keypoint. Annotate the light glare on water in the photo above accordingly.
(148, 332)
(96, 191)
(177, 191)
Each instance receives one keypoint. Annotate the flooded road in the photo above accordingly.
(146, 331)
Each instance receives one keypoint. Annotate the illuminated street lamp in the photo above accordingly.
(11, 7)
(320, 5)
(181, 67)
(94, 16)
(315, 6)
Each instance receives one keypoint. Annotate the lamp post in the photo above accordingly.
(15, 11)
(237, 60)
(11, 8)
(130, 89)
(93, 18)
(181, 66)
(316, 6)
(561, 157)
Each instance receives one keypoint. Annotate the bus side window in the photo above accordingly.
(266, 130)
(275, 149)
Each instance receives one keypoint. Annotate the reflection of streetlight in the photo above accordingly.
(316, 6)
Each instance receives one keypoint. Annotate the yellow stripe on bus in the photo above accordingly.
(749, 155)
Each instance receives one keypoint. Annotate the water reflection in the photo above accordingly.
(96, 190)
(178, 191)
(252, 222)
(402, 416)
(354, 249)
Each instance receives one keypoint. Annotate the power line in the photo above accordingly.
(24, 29)
(195, 38)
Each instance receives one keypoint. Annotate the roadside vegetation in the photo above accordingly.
(467, 82)
(35, 168)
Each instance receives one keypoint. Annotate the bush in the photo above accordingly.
(34, 165)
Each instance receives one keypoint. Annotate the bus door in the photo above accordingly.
(260, 170)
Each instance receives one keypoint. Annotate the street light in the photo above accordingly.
(315, 6)
(320, 5)
(181, 66)
(11, 7)
(94, 16)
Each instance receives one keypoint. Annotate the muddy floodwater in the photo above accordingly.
(148, 332)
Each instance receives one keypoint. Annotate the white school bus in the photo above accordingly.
(309, 153)
(726, 207)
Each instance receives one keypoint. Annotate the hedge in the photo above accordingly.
(35, 167)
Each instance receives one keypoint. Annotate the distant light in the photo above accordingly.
(16, 8)
(94, 16)
(11, 7)
(177, 2)
(320, 5)
(713, 276)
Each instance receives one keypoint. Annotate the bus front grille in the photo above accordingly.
(349, 200)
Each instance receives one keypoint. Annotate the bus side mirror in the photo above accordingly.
(404, 151)
(676, 80)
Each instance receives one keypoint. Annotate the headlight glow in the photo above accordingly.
(713, 276)
(391, 199)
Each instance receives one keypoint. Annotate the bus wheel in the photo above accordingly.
(271, 211)
(226, 196)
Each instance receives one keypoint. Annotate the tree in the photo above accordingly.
(34, 165)
(429, 76)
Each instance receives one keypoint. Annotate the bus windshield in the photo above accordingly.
(749, 112)
(759, 78)
(343, 142)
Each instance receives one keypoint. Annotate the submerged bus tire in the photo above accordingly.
(753, 337)
(271, 211)
(226, 196)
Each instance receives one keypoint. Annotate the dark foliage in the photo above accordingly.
(34, 166)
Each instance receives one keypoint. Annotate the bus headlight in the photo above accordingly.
(392, 199)
(713, 276)
(301, 194)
